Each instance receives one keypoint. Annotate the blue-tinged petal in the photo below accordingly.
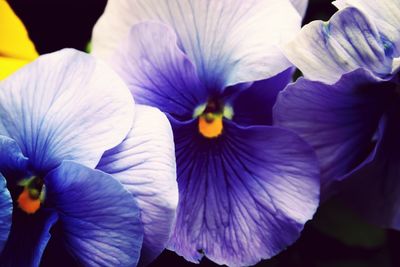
(157, 72)
(65, 105)
(100, 219)
(374, 190)
(28, 238)
(229, 41)
(339, 121)
(253, 106)
(12, 162)
(244, 196)
(145, 164)
(385, 14)
(324, 51)
(301, 6)
(5, 212)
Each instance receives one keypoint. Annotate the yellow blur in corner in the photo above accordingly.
(16, 49)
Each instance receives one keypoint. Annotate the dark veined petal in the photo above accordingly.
(244, 196)
(339, 121)
(100, 219)
(384, 13)
(145, 164)
(324, 51)
(157, 72)
(253, 106)
(12, 162)
(28, 238)
(229, 41)
(374, 190)
(65, 105)
(5, 212)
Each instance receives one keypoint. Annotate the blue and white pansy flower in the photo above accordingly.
(58, 116)
(347, 108)
(214, 68)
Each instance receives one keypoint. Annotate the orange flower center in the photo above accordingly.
(211, 118)
(211, 125)
(32, 195)
(27, 203)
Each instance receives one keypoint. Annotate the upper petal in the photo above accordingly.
(324, 51)
(65, 105)
(13, 164)
(228, 41)
(253, 106)
(338, 121)
(384, 13)
(145, 164)
(100, 219)
(5, 212)
(244, 196)
(157, 72)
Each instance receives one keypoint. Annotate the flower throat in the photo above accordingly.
(211, 117)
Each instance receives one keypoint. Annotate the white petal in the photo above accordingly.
(145, 164)
(228, 41)
(65, 105)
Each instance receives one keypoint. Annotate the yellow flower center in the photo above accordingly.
(211, 125)
(211, 118)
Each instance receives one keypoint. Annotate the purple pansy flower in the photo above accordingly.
(58, 115)
(214, 68)
(348, 107)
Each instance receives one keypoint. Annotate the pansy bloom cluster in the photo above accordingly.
(184, 129)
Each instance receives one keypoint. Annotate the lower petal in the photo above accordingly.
(100, 219)
(338, 121)
(5, 212)
(28, 238)
(244, 196)
(374, 190)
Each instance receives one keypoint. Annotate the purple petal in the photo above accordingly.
(244, 196)
(374, 190)
(99, 218)
(13, 164)
(253, 106)
(338, 121)
(157, 72)
(145, 164)
(5, 212)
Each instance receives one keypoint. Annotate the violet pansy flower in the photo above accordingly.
(214, 68)
(347, 108)
(58, 116)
